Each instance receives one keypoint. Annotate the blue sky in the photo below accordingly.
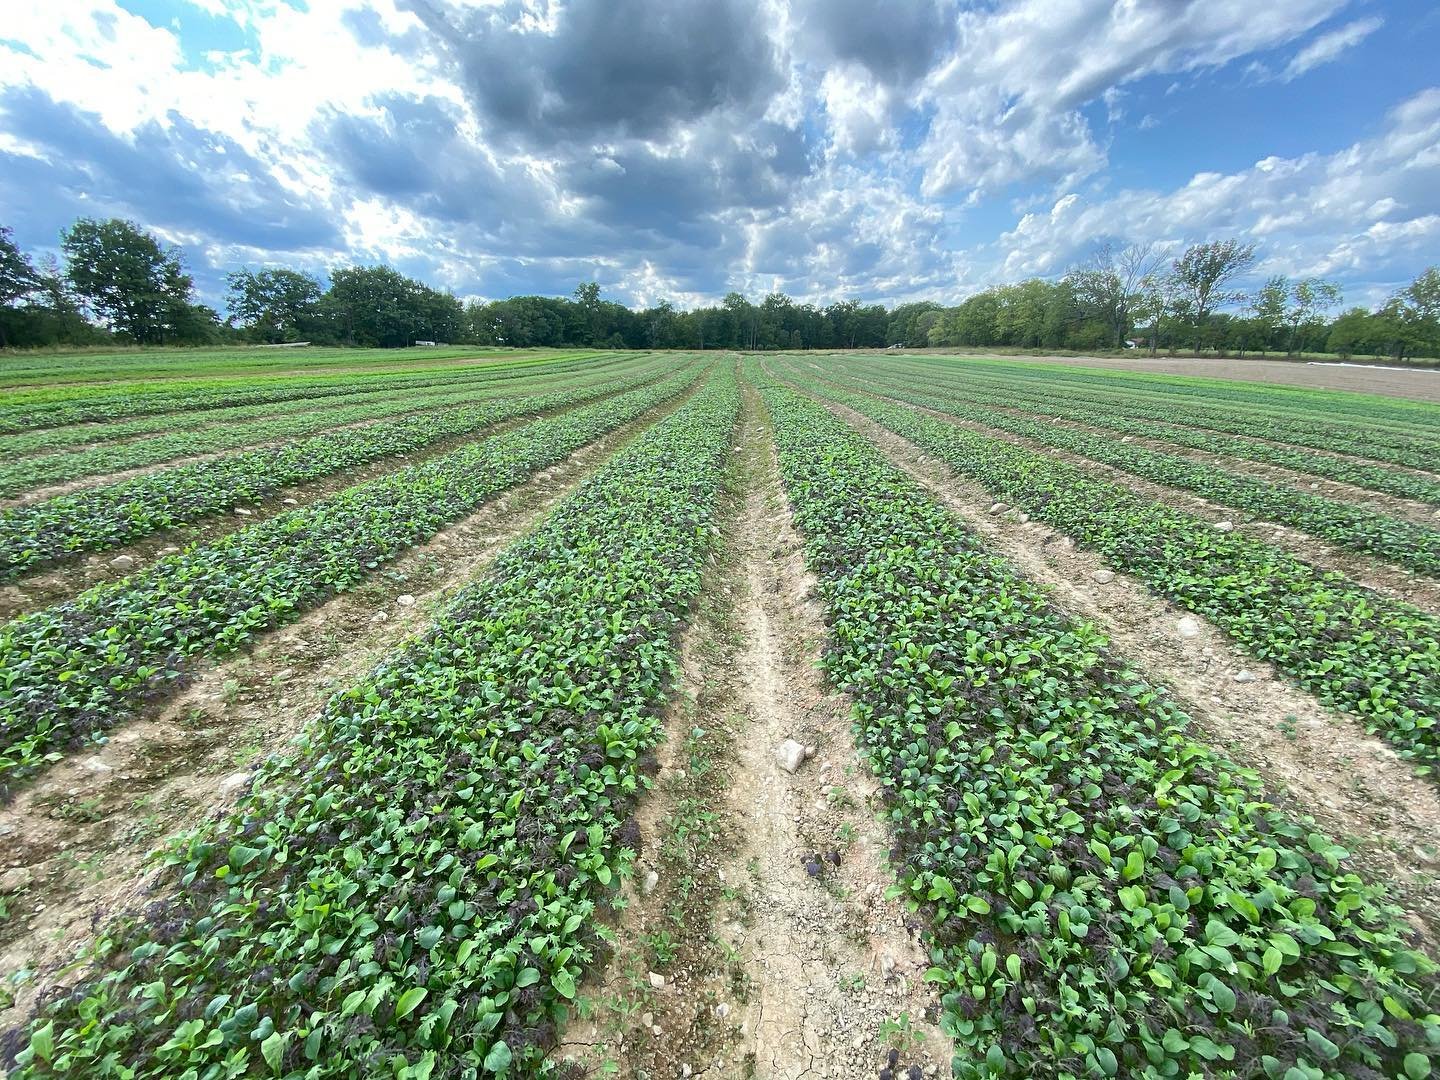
(911, 149)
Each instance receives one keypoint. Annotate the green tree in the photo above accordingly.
(274, 305)
(1414, 316)
(1107, 286)
(126, 277)
(1202, 276)
(18, 279)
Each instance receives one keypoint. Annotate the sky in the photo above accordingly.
(890, 150)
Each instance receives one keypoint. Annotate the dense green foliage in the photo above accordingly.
(1372, 656)
(1357, 528)
(216, 430)
(69, 672)
(94, 519)
(141, 291)
(411, 893)
(1104, 895)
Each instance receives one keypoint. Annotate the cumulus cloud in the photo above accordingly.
(1007, 102)
(1367, 210)
(824, 147)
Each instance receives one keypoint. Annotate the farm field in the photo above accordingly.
(447, 713)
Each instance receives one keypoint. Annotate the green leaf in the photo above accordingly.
(42, 1041)
(979, 905)
(564, 983)
(499, 1058)
(1417, 1066)
(273, 1049)
(409, 1000)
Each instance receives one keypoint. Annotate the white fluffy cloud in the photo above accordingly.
(1356, 213)
(824, 147)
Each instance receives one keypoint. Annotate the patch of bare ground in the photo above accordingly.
(76, 842)
(1417, 384)
(758, 941)
(1383, 577)
(1410, 509)
(1313, 760)
(56, 583)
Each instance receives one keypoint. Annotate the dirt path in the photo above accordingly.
(766, 967)
(1319, 761)
(76, 841)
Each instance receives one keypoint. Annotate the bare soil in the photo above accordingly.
(1419, 384)
(1312, 759)
(77, 841)
(769, 970)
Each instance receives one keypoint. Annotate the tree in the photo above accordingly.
(1357, 331)
(1158, 302)
(18, 278)
(1107, 286)
(127, 278)
(274, 305)
(1414, 313)
(1202, 274)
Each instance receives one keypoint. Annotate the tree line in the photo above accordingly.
(118, 282)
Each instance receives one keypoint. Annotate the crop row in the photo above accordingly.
(1104, 895)
(69, 672)
(56, 529)
(1405, 423)
(1376, 657)
(1354, 527)
(353, 391)
(322, 415)
(413, 892)
(1363, 474)
(72, 405)
(1314, 431)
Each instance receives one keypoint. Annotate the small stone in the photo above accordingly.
(1104, 577)
(1314, 485)
(657, 980)
(722, 1010)
(15, 879)
(789, 755)
(887, 965)
(379, 616)
(244, 512)
(291, 502)
(998, 508)
(809, 752)
(234, 782)
(1189, 627)
(170, 549)
(405, 600)
(1224, 526)
(1023, 518)
(648, 1019)
(685, 1070)
(1244, 676)
(859, 1040)
(123, 562)
(647, 886)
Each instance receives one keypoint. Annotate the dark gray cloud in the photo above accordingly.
(179, 177)
(898, 41)
(611, 68)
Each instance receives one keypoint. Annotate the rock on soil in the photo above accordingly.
(1104, 577)
(789, 755)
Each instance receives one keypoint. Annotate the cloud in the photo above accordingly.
(897, 42)
(1370, 211)
(173, 176)
(604, 69)
(1006, 103)
(1330, 45)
